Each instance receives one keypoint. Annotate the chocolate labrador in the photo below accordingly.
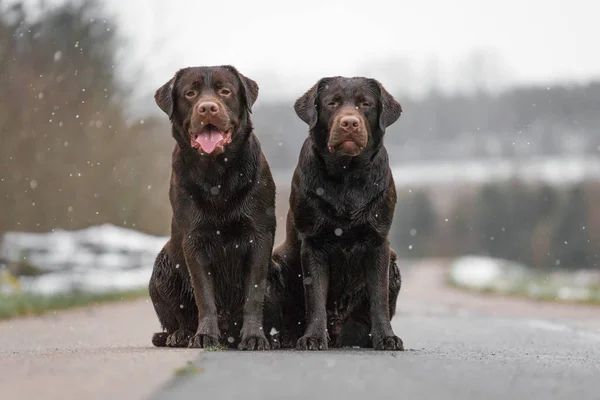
(340, 274)
(210, 280)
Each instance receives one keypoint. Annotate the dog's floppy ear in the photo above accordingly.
(390, 108)
(164, 95)
(306, 105)
(249, 86)
(251, 89)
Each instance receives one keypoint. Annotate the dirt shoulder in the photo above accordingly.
(93, 353)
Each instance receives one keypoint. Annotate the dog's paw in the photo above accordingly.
(202, 341)
(256, 341)
(308, 342)
(287, 340)
(179, 338)
(392, 342)
(274, 341)
(159, 339)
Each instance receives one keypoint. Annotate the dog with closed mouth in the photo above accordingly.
(209, 283)
(340, 274)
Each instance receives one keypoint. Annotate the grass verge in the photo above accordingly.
(188, 369)
(536, 288)
(21, 304)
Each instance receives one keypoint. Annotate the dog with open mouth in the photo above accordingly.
(340, 275)
(210, 284)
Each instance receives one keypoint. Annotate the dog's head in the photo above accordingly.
(348, 115)
(208, 106)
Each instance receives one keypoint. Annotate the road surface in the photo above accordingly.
(459, 345)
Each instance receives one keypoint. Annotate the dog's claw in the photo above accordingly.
(202, 341)
(254, 342)
(312, 343)
(179, 338)
(388, 343)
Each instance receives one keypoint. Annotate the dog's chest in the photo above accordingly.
(225, 237)
(345, 208)
(341, 202)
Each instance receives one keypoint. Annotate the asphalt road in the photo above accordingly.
(459, 346)
(447, 357)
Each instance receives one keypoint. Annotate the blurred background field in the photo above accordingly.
(498, 173)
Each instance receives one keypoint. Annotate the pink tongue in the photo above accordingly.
(209, 140)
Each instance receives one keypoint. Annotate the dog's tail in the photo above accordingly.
(159, 339)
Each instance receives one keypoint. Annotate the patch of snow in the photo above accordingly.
(573, 293)
(475, 272)
(91, 280)
(507, 277)
(99, 258)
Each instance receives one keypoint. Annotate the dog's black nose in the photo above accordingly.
(206, 108)
(349, 123)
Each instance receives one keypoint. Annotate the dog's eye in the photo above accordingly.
(225, 92)
(332, 104)
(190, 94)
(365, 104)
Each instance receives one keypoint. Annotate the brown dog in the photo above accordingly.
(210, 280)
(340, 275)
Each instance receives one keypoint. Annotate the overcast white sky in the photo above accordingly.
(287, 46)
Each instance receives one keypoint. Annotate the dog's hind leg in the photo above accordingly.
(292, 297)
(273, 311)
(395, 282)
(174, 305)
(357, 329)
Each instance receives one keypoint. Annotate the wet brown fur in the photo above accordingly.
(209, 283)
(340, 274)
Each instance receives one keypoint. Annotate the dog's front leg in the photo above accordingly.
(315, 270)
(207, 334)
(252, 334)
(377, 264)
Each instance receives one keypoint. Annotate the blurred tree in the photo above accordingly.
(493, 218)
(571, 245)
(592, 196)
(463, 232)
(68, 157)
(546, 205)
(547, 201)
(414, 225)
(522, 222)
